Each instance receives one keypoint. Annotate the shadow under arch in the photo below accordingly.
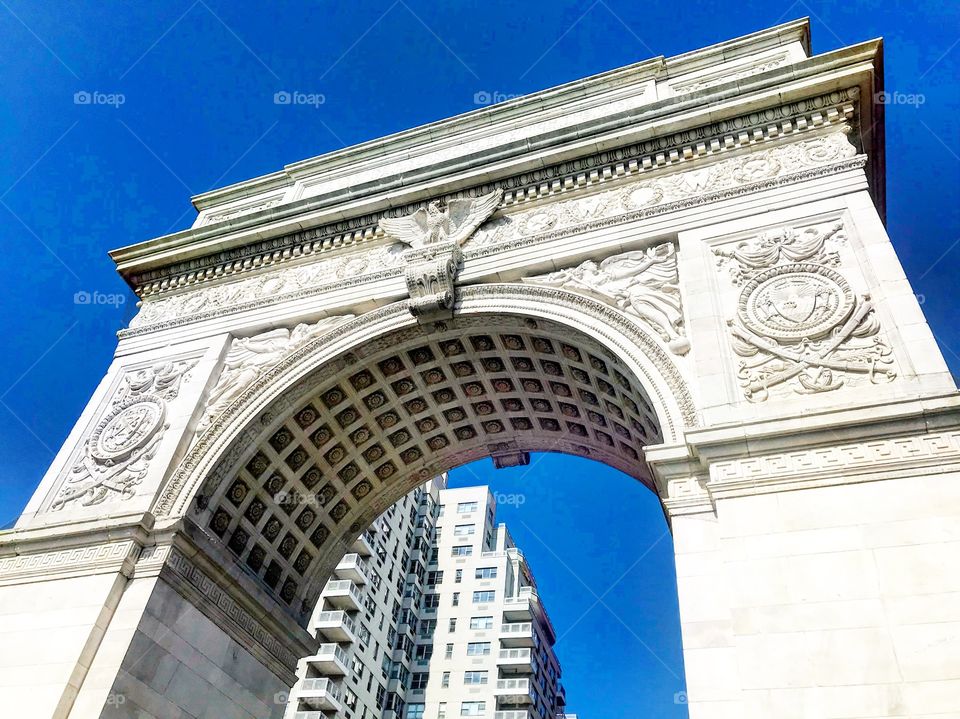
(326, 440)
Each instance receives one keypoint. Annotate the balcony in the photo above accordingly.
(521, 607)
(329, 659)
(514, 691)
(343, 594)
(320, 693)
(363, 545)
(353, 568)
(516, 661)
(335, 626)
(517, 634)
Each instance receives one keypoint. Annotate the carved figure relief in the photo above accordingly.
(434, 259)
(799, 325)
(249, 357)
(116, 456)
(644, 284)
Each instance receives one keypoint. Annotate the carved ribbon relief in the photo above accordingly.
(799, 326)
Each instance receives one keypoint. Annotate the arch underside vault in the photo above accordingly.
(311, 470)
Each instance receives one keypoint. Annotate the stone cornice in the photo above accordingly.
(866, 444)
(73, 548)
(647, 158)
(212, 249)
(592, 91)
(787, 162)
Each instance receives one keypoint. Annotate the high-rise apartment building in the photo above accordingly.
(433, 615)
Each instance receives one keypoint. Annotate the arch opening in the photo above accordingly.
(409, 405)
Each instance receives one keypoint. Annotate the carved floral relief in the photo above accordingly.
(649, 194)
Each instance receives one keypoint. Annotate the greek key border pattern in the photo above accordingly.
(108, 556)
(198, 580)
(847, 457)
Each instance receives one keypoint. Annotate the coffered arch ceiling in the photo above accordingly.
(334, 451)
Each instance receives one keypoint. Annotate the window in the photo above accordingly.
(415, 711)
(453, 625)
(475, 677)
(486, 573)
(462, 550)
(442, 711)
(466, 507)
(431, 601)
(445, 680)
(456, 599)
(473, 709)
(481, 622)
(478, 649)
(484, 596)
(464, 530)
(419, 680)
(434, 578)
(458, 577)
(448, 653)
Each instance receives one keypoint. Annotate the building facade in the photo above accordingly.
(434, 614)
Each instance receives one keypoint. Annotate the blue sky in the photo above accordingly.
(198, 79)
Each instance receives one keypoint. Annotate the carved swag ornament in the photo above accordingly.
(798, 322)
(116, 456)
(434, 259)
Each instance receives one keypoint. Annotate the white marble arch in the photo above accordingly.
(676, 219)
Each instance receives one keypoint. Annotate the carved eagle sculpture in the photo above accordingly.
(432, 225)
